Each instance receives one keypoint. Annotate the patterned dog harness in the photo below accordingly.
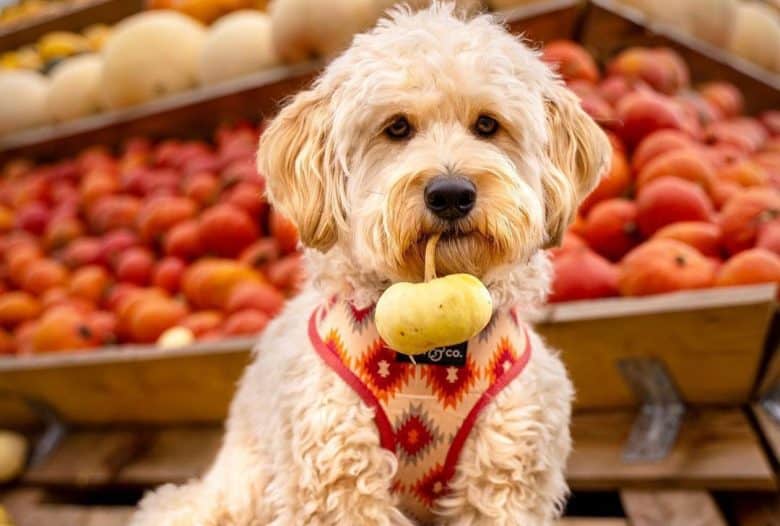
(424, 412)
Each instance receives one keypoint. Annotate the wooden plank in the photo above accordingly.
(175, 455)
(671, 508)
(73, 516)
(709, 340)
(629, 27)
(544, 20)
(87, 459)
(191, 114)
(136, 384)
(91, 459)
(769, 428)
(71, 16)
(712, 343)
(717, 449)
(770, 378)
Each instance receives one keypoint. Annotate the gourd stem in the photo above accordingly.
(430, 257)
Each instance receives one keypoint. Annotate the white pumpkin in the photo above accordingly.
(304, 29)
(149, 55)
(672, 13)
(468, 6)
(23, 103)
(756, 34)
(237, 44)
(75, 87)
(711, 20)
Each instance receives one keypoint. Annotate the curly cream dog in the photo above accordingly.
(423, 98)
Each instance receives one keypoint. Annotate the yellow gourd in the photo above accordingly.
(13, 455)
(413, 318)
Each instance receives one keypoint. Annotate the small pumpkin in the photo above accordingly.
(413, 318)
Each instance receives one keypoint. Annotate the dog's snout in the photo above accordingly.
(450, 197)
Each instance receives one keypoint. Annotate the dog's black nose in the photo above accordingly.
(450, 197)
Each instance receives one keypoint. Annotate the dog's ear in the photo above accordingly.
(303, 179)
(578, 153)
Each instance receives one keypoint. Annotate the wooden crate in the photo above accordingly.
(73, 16)
(610, 26)
(195, 113)
(711, 341)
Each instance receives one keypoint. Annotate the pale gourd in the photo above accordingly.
(236, 45)
(465, 6)
(672, 13)
(150, 55)
(711, 20)
(176, 337)
(305, 29)
(755, 35)
(413, 318)
(75, 87)
(13, 455)
(23, 100)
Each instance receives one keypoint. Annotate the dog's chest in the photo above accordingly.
(424, 411)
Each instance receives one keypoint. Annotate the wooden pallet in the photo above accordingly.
(627, 27)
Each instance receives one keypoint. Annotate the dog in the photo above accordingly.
(425, 101)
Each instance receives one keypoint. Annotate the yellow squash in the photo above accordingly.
(413, 318)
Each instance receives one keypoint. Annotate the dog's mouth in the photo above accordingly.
(458, 250)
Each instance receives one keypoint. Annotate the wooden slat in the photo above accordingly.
(544, 20)
(770, 378)
(610, 27)
(88, 458)
(129, 385)
(73, 516)
(592, 521)
(191, 114)
(69, 16)
(671, 508)
(712, 343)
(118, 516)
(174, 455)
(143, 458)
(769, 428)
(717, 449)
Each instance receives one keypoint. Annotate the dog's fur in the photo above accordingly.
(301, 448)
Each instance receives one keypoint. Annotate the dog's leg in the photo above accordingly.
(335, 471)
(511, 470)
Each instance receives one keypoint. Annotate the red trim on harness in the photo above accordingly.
(386, 435)
(453, 454)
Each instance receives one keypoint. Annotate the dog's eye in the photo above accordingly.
(399, 129)
(486, 126)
